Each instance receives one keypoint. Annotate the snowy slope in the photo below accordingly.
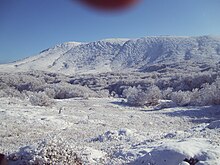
(118, 54)
(42, 61)
(152, 50)
(91, 57)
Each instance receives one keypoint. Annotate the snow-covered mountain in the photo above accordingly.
(120, 54)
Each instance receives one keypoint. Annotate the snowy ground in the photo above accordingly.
(106, 131)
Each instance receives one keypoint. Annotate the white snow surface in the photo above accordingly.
(105, 131)
(120, 54)
(173, 153)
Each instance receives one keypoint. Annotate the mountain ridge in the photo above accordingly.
(120, 54)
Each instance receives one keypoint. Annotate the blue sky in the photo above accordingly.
(30, 26)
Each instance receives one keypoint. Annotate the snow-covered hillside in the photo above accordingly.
(121, 54)
(42, 61)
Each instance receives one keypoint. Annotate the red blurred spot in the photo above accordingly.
(109, 4)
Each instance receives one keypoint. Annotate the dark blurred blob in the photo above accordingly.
(3, 160)
(109, 5)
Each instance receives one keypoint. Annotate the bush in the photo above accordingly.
(153, 95)
(190, 82)
(11, 92)
(166, 94)
(137, 97)
(40, 99)
(65, 91)
(207, 95)
(103, 93)
(22, 81)
(210, 94)
(54, 152)
(181, 98)
(50, 92)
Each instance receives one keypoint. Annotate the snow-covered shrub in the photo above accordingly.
(103, 93)
(195, 97)
(40, 99)
(65, 91)
(163, 83)
(185, 81)
(50, 92)
(189, 82)
(210, 94)
(181, 98)
(166, 94)
(11, 92)
(111, 135)
(128, 91)
(153, 95)
(54, 152)
(23, 81)
(138, 97)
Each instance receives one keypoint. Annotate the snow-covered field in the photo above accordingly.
(107, 131)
